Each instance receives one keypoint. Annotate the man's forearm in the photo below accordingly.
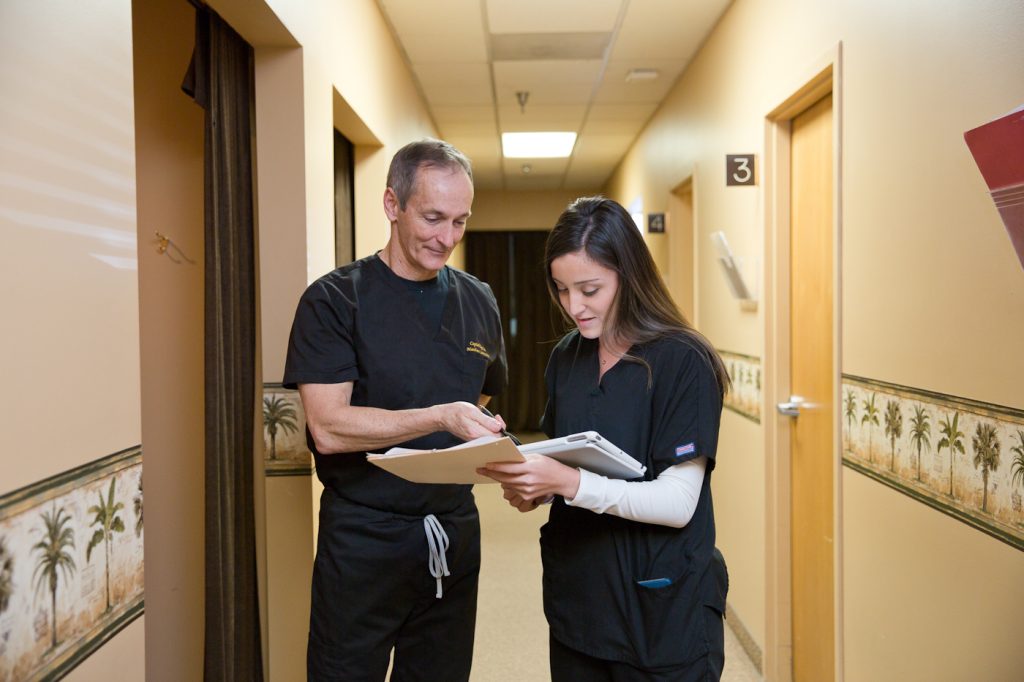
(338, 426)
(362, 429)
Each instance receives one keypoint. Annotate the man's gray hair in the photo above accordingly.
(426, 153)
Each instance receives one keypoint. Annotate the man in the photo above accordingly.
(397, 349)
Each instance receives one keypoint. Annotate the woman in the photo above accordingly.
(634, 588)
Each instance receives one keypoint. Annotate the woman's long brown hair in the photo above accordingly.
(644, 309)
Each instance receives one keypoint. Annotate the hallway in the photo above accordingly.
(511, 634)
(685, 113)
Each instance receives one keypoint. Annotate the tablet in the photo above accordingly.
(588, 450)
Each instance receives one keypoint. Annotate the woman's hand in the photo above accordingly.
(529, 483)
(517, 501)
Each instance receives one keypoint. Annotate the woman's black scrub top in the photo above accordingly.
(595, 564)
(361, 323)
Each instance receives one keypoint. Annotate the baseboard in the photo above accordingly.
(743, 635)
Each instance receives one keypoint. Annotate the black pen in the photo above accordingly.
(487, 412)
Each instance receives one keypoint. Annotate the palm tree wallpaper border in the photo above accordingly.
(744, 398)
(72, 565)
(960, 456)
(284, 433)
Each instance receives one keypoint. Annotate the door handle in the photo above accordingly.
(792, 407)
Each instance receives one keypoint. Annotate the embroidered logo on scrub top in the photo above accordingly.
(687, 449)
(478, 348)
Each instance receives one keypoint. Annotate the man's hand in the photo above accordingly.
(466, 421)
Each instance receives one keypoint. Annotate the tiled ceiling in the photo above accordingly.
(471, 57)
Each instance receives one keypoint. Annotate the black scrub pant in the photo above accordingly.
(372, 590)
(569, 665)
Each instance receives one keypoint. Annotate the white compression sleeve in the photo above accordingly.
(668, 500)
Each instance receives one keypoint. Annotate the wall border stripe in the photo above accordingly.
(290, 471)
(1002, 520)
(73, 658)
(289, 464)
(749, 417)
(934, 396)
(48, 488)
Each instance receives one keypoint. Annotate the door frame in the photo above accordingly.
(822, 77)
(685, 186)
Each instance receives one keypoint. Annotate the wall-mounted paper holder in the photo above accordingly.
(733, 276)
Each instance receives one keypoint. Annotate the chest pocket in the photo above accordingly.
(478, 355)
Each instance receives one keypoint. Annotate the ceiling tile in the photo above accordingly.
(463, 114)
(666, 29)
(592, 127)
(542, 117)
(589, 180)
(615, 90)
(545, 16)
(465, 129)
(455, 84)
(483, 150)
(548, 82)
(452, 30)
(465, 121)
(630, 113)
(532, 46)
(617, 119)
(601, 148)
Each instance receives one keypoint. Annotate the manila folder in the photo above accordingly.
(457, 464)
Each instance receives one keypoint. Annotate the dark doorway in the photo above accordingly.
(344, 202)
(513, 264)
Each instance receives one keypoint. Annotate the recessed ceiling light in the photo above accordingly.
(641, 75)
(537, 145)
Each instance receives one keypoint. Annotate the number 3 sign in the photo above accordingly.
(739, 169)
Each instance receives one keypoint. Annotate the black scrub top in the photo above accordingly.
(594, 563)
(361, 323)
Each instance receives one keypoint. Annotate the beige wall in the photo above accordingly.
(68, 269)
(928, 277)
(169, 153)
(927, 598)
(280, 189)
(67, 215)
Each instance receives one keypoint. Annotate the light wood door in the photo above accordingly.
(811, 378)
(682, 273)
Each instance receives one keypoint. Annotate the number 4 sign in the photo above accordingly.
(739, 169)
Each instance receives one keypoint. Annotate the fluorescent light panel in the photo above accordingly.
(554, 145)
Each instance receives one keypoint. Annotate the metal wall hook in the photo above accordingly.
(165, 246)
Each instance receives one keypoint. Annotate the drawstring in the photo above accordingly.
(436, 537)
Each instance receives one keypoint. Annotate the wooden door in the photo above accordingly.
(682, 264)
(811, 363)
(344, 201)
